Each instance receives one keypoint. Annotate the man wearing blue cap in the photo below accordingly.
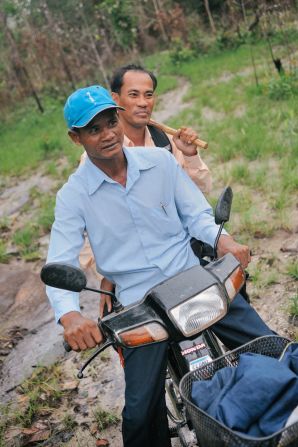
(140, 210)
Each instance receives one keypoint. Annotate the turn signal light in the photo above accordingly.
(143, 335)
(234, 282)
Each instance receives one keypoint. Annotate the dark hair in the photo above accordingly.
(117, 78)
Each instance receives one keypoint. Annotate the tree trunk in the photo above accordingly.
(210, 18)
(94, 49)
(243, 12)
(232, 13)
(19, 66)
(158, 18)
(98, 58)
(53, 26)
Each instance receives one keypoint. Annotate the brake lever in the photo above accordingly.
(106, 344)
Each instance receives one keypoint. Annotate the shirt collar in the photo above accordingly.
(135, 163)
(147, 143)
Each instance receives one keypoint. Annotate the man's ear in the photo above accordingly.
(115, 97)
(75, 137)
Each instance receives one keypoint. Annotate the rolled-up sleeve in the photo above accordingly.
(195, 167)
(67, 238)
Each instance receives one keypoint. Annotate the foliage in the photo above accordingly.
(69, 422)
(293, 306)
(200, 42)
(35, 33)
(123, 20)
(283, 88)
(42, 390)
(104, 418)
(46, 213)
(50, 148)
(4, 257)
(180, 52)
(27, 138)
(5, 421)
(292, 269)
(228, 40)
(26, 239)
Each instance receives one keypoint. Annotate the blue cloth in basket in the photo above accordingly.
(256, 397)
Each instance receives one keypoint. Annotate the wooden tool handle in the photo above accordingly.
(200, 143)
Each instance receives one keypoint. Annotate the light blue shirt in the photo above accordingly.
(139, 233)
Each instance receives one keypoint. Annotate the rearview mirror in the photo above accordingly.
(223, 206)
(63, 276)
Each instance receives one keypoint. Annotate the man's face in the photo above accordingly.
(137, 97)
(102, 138)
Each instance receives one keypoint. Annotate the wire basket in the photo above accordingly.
(210, 432)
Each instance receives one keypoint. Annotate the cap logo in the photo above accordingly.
(90, 97)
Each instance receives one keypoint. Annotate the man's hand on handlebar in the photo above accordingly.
(226, 244)
(79, 332)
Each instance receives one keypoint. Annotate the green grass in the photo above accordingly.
(222, 81)
(40, 394)
(5, 421)
(41, 391)
(252, 133)
(28, 138)
(26, 240)
(104, 418)
(46, 213)
(4, 258)
(69, 422)
(293, 306)
(165, 84)
(292, 269)
(267, 126)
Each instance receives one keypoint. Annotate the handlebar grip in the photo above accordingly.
(67, 347)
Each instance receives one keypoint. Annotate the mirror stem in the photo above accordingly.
(100, 291)
(117, 306)
(216, 240)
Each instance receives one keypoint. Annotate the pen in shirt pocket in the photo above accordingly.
(164, 208)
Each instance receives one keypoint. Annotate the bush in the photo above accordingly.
(180, 52)
(200, 43)
(229, 41)
(283, 88)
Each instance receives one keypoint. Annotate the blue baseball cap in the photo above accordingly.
(84, 104)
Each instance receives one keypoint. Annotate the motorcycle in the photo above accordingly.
(181, 310)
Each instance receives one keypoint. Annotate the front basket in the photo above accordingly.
(210, 432)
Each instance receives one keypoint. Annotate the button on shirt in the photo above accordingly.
(139, 233)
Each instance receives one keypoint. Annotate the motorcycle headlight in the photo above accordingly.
(200, 311)
(142, 335)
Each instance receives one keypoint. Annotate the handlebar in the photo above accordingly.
(66, 346)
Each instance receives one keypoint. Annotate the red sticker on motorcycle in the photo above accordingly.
(193, 349)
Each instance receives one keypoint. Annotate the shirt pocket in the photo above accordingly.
(162, 220)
